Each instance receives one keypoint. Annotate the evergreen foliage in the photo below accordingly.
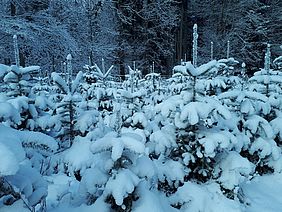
(172, 143)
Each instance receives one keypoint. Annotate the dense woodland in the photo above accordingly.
(123, 31)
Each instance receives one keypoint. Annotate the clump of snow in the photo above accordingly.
(99, 205)
(204, 68)
(257, 124)
(169, 106)
(145, 167)
(247, 107)
(265, 148)
(139, 117)
(30, 184)
(92, 181)
(39, 141)
(277, 126)
(118, 144)
(130, 95)
(11, 140)
(171, 171)
(16, 207)
(193, 112)
(188, 68)
(121, 184)
(60, 82)
(162, 139)
(234, 170)
(9, 112)
(29, 69)
(76, 82)
(87, 120)
(152, 75)
(69, 57)
(20, 103)
(49, 122)
(79, 156)
(58, 190)
(215, 141)
(42, 102)
(181, 69)
(241, 95)
(151, 200)
(9, 164)
(204, 198)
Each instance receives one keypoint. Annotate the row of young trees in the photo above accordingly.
(144, 31)
(115, 144)
(248, 25)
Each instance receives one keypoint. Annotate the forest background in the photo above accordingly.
(145, 31)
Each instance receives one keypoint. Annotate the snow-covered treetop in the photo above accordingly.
(211, 50)
(101, 73)
(228, 49)
(267, 58)
(195, 45)
(16, 50)
(69, 57)
(61, 83)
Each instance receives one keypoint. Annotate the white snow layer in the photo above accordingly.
(9, 112)
(9, 164)
(121, 184)
(118, 144)
(234, 170)
(79, 156)
(204, 198)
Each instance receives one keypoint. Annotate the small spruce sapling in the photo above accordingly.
(99, 86)
(19, 82)
(195, 57)
(123, 150)
(268, 82)
(228, 49)
(101, 73)
(67, 108)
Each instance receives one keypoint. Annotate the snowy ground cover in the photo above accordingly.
(263, 193)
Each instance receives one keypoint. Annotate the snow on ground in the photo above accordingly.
(18, 206)
(264, 194)
(99, 205)
(206, 198)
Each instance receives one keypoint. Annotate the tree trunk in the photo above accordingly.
(22, 59)
(182, 35)
(13, 9)
(71, 123)
(121, 64)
